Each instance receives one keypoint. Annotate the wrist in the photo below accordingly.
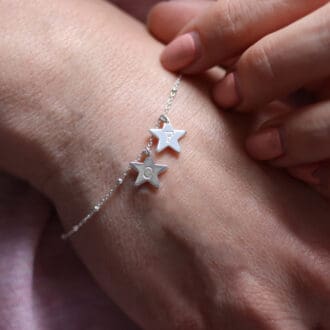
(101, 151)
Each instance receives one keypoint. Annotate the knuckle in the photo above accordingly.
(227, 18)
(231, 15)
(258, 302)
(258, 61)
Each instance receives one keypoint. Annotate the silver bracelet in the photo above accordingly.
(144, 165)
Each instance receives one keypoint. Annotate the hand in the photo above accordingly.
(138, 9)
(224, 244)
(271, 49)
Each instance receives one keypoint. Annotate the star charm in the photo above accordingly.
(148, 171)
(168, 137)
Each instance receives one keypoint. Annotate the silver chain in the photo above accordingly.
(120, 180)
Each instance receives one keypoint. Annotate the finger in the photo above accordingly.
(137, 9)
(302, 137)
(279, 64)
(316, 175)
(306, 173)
(166, 19)
(226, 28)
(271, 114)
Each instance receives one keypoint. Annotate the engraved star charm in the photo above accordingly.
(148, 171)
(168, 137)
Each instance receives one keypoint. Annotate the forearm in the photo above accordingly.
(83, 76)
(104, 90)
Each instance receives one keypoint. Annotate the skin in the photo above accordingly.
(223, 244)
(138, 9)
(266, 62)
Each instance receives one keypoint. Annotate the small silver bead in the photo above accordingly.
(164, 118)
(146, 152)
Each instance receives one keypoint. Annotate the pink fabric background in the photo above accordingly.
(43, 285)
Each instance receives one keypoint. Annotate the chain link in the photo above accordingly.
(163, 118)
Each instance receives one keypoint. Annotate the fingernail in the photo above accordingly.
(181, 52)
(265, 144)
(306, 173)
(226, 93)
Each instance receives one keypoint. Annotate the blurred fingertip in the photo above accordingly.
(181, 52)
(265, 144)
(226, 92)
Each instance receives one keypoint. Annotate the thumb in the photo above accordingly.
(225, 29)
(167, 19)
